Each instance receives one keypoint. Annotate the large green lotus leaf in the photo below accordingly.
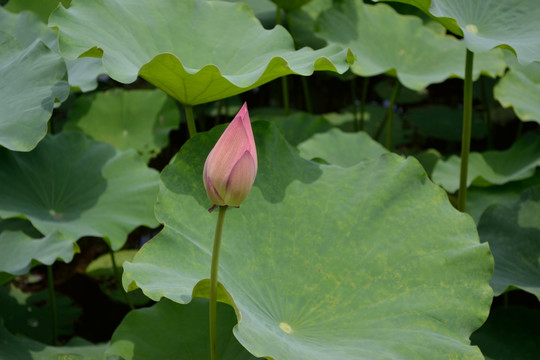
(520, 89)
(137, 119)
(42, 8)
(384, 41)
(296, 127)
(339, 148)
(290, 4)
(444, 122)
(491, 167)
(29, 314)
(490, 23)
(78, 187)
(83, 73)
(512, 231)
(169, 330)
(34, 75)
(301, 23)
(510, 333)
(324, 262)
(18, 347)
(196, 51)
(424, 5)
(17, 250)
(373, 117)
(480, 198)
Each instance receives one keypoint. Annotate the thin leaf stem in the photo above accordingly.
(54, 310)
(466, 133)
(356, 119)
(192, 129)
(213, 282)
(365, 85)
(307, 95)
(119, 280)
(390, 113)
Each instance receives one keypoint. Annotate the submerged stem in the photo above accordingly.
(213, 282)
(52, 296)
(119, 280)
(192, 129)
(466, 133)
(390, 113)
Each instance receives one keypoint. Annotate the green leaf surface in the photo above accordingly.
(296, 127)
(17, 250)
(373, 117)
(424, 5)
(490, 23)
(480, 198)
(510, 333)
(83, 73)
(520, 89)
(491, 167)
(42, 8)
(290, 4)
(196, 51)
(342, 149)
(385, 87)
(320, 261)
(384, 41)
(443, 122)
(78, 187)
(21, 348)
(137, 119)
(301, 23)
(512, 231)
(36, 72)
(172, 331)
(30, 314)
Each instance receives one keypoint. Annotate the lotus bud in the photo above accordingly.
(231, 166)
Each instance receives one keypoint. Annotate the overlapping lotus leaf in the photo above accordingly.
(18, 347)
(323, 261)
(520, 89)
(384, 41)
(424, 5)
(490, 23)
(37, 72)
(290, 4)
(136, 119)
(491, 167)
(196, 51)
(339, 148)
(17, 250)
(78, 187)
(42, 8)
(172, 331)
(512, 231)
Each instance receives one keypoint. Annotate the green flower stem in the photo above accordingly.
(466, 134)
(356, 119)
(119, 280)
(213, 282)
(309, 106)
(54, 310)
(390, 113)
(284, 86)
(363, 102)
(192, 129)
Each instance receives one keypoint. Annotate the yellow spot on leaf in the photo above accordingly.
(285, 327)
(473, 29)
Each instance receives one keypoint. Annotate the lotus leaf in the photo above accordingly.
(512, 231)
(384, 41)
(158, 40)
(78, 187)
(136, 119)
(172, 331)
(339, 148)
(323, 261)
(492, 167)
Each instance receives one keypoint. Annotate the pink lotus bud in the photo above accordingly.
(231, 166)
